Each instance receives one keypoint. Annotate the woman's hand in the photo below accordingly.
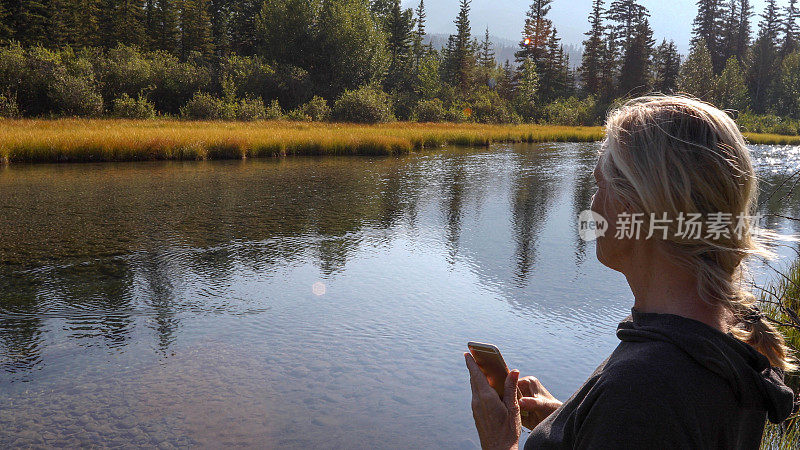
(536, 400)
(497, 421)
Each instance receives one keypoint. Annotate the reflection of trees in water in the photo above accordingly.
(102, 289)
(21, 328)
(453, 203)
(157, 274)
(169, 221)
(583, 188)
(533, 191)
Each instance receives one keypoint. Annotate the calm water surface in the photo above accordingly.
(301, 302)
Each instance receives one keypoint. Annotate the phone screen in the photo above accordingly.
(491, 363)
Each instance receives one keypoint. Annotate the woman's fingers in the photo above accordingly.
(478, 381)
(530, 386)
(529, 403)
(510, 392)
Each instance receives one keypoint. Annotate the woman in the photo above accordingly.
(698, 365)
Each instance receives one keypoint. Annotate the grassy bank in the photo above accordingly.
(74, 140)
(786, 435)
(77, 140)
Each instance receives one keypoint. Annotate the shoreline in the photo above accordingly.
(115, 140)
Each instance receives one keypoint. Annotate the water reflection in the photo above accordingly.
(133, 297)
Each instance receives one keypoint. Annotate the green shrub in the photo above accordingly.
(298, 115)
(489, 107)
(250, 109)
(76, 96)
(571, 111)
(124, 70)
(176, 82)
(430, 111)
(251, 77)
(205, 106)
(367, 104)
(274, 111)
(457, 114)
(8, 106)
(767, 123)
(403, 104)
(126, 107)
(316, 109)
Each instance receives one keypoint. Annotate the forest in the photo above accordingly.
(368, 61)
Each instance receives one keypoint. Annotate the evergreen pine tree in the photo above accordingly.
(506, 84)
(535, 34)
(196, 29)
(32, 22)
(790, 34)
(743, 35)
(244, 34)
(708, 26)
(486, 54)
(763, 60)
(609, 69)
(635, 73)
(6, 28)
(419, 33)
(166, 34)
(400, 25)
(593, 47)
(627, 14)
(667, 67)
(526, 94)
(460, 55)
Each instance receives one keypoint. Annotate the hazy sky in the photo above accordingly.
(671, 19)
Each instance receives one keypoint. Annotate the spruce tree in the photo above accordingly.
(486, 54)
(635, 72)
(708, 25)
(743, 36)
(790, 34)
(506, 83)
(593, 47)
(461, 61)
(526, 94)
(419, 33)
(627, 14)
(166, 33)
(763, 58)
(535, 34)
(244, 34)
(32, 22)
(6, 28)
(610, 67)
(196, 29)
(399, 24)
(635, 46)
(667, 67)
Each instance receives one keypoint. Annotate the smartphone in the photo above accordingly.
(491, 363)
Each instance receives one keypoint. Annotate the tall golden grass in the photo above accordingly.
(72, 140)
(77, 140)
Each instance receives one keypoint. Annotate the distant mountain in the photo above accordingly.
(504, 48)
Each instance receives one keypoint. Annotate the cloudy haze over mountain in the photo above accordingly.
(670, 19)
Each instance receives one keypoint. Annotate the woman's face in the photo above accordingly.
(611, 252)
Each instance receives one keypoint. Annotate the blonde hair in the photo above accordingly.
(680, 156)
